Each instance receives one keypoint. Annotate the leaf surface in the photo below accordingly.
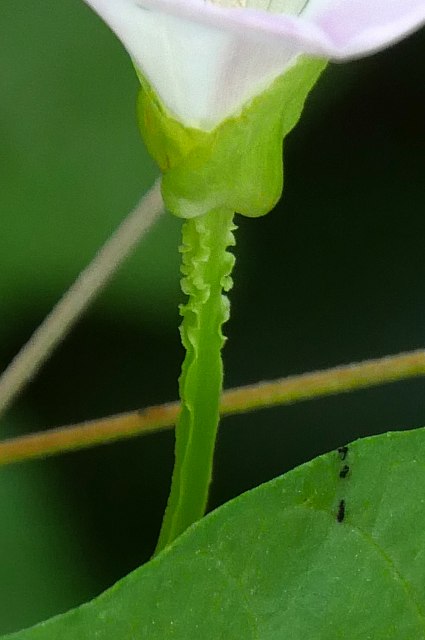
(285, 560)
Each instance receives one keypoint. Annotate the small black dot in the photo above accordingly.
(344, 471)
(341, 511)
(343, 451)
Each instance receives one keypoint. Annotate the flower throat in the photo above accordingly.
(290, 7)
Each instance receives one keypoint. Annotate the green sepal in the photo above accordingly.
(238, 165)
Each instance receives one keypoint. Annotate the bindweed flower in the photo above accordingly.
(204, 63)
(206, 59)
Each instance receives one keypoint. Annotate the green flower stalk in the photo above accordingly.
(206, 177)
(223, 82)
(206, 267)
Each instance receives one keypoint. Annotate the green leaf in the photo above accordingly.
(238, 165)
(277, 563)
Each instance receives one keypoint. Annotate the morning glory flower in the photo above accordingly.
(206, 59)
(224, 82)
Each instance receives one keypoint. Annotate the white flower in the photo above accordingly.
(206, 59)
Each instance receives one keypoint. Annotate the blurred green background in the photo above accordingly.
(336, 273)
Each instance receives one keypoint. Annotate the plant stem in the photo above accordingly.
(261, 395)
(206, 267)
(72, 305)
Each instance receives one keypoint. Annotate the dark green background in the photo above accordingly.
(336, 273)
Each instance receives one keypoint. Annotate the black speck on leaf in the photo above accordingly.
(341, 511)
(344, 471)
(343, 451)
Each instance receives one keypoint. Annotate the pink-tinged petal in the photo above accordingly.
(205, 61)
(358, 27)
(201, 72)
(335, 29)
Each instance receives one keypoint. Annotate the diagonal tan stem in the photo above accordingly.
(283, 391)
(78, 297)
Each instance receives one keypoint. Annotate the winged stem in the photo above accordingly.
(206, 268)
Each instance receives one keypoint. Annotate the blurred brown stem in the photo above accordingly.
(283, 391)
(75, 301)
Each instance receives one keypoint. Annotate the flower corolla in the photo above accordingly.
(206, 58)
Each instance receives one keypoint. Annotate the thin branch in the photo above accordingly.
(78, 297)
(284, 391)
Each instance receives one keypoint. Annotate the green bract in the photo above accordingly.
(238, 165)
(332, 550)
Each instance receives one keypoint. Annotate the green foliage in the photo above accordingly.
(238, 165)
(42, 568)
(72, 165)
(206, 268)
(281, 562)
